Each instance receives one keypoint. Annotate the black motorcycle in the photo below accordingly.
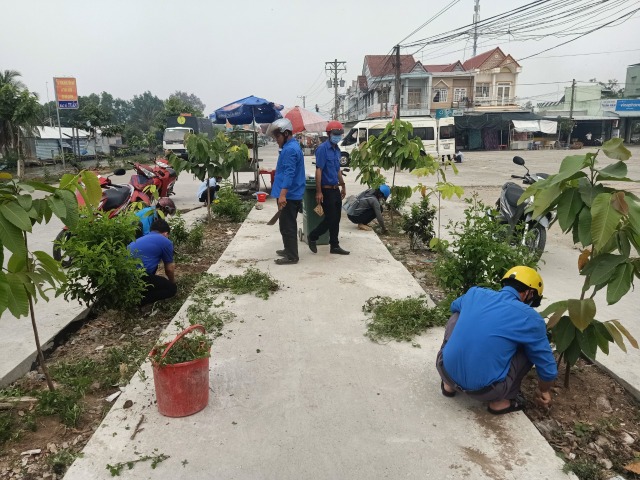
(531, 231)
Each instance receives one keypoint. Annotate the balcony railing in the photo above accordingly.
(493, 101)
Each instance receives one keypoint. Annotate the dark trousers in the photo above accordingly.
(505, 389)
(158, 288)
(332, 206)
(212, 193)
(364, 218)
(289, 227)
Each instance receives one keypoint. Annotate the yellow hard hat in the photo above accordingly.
(526, 275)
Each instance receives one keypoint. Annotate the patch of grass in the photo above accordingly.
(200, 313)
(156, 458)
(190, 347)
(584, 470)
(78, 375)
(251, 281)
(400, 319)
(6, 427)
(62, 460)
(64, 403)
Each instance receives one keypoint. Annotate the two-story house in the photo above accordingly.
(484, 83)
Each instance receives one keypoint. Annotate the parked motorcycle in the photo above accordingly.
(159, 174)
(115, 200)
(533, 230)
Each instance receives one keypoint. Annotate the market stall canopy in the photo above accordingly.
(247, 111)
(304, 120)
(544, 126)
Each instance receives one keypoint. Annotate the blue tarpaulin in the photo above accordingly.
(246, 111)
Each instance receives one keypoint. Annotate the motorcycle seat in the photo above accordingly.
(512, 193)
(115, 196)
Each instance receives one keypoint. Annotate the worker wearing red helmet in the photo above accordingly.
(330, 189)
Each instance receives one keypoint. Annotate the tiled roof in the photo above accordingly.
(478, 60)
(362, 82)
(382, 65)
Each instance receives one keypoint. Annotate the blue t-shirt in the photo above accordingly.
(151, 249)
(290, 171)
(490, 328)
(146, 217)
(328, 160)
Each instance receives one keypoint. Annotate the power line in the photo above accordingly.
(444, 9)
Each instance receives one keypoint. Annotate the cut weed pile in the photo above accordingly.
(87, 366)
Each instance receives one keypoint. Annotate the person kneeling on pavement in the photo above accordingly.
(493, 339)
(368, 206)
(151, 249)
(205, 194)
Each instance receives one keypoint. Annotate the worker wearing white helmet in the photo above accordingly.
(288, 188)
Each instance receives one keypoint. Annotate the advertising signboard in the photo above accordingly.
(66, 92)
(628, 105)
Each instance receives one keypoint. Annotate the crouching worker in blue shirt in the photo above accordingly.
(151, 249)
(493, 339)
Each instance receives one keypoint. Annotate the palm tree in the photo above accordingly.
(19, 113)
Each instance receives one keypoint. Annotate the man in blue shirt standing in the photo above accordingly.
(152, 249)
(288, 188)
(330, 189)
(493, 339)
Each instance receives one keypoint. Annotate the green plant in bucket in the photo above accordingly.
(184, 349)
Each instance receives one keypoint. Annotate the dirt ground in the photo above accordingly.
(56, 444)
(594, 425)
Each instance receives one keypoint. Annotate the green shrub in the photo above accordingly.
(418, 223)
(65, 404)
(179, 232)
(229, 205)
(480, 252)
(6, 427)
(102, 273)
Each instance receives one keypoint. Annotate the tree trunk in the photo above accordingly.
(43, 365)
(208, 201)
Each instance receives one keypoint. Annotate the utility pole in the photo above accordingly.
(397, 88)
(573, 94)
(303, 97)
(476, 19)
(334, 68)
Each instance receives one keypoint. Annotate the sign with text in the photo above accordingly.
(628, 105)
(444, 112)
(66, 92)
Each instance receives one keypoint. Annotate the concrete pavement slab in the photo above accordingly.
(297, 391)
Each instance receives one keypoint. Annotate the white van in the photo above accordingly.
(435, 143)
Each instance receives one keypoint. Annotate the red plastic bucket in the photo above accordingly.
(261, 196)
(182, 389)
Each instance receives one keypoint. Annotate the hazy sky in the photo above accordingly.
(225, 50)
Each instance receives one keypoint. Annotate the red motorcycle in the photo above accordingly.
(159, 174)
(115, 200)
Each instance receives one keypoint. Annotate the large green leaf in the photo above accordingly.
(584, 227)
(569, 205)
(12, 237)
(626, 333)
(633, 214)
(544, 200)
(604, 220)
(613, 171)
(57, 205)
(15, 214)
(615, 334)
(572, 353)
(563, 334)
(91, 192)
(581, 312)
(621, 283)
(18, 302)
(16, 263)
(50, 265)
(589, 192)
(615, 149)
(601, 267)
(25, 202)
(5, 292)
(588, 342)
(41, 186)
(71, 216)
(556, 309)
(603, 337)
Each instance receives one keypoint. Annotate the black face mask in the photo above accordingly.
(535, 300)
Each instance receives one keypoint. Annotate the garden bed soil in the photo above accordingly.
(594, 426)
(91, 339)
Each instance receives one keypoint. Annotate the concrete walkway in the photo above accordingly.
(298, 392)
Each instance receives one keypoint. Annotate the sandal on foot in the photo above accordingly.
(445, 392)
(515, 405)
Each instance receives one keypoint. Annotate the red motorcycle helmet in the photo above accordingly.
(167, 206)
(335, 127)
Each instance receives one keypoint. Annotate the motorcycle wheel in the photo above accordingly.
(536, 238)
(58, 253)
